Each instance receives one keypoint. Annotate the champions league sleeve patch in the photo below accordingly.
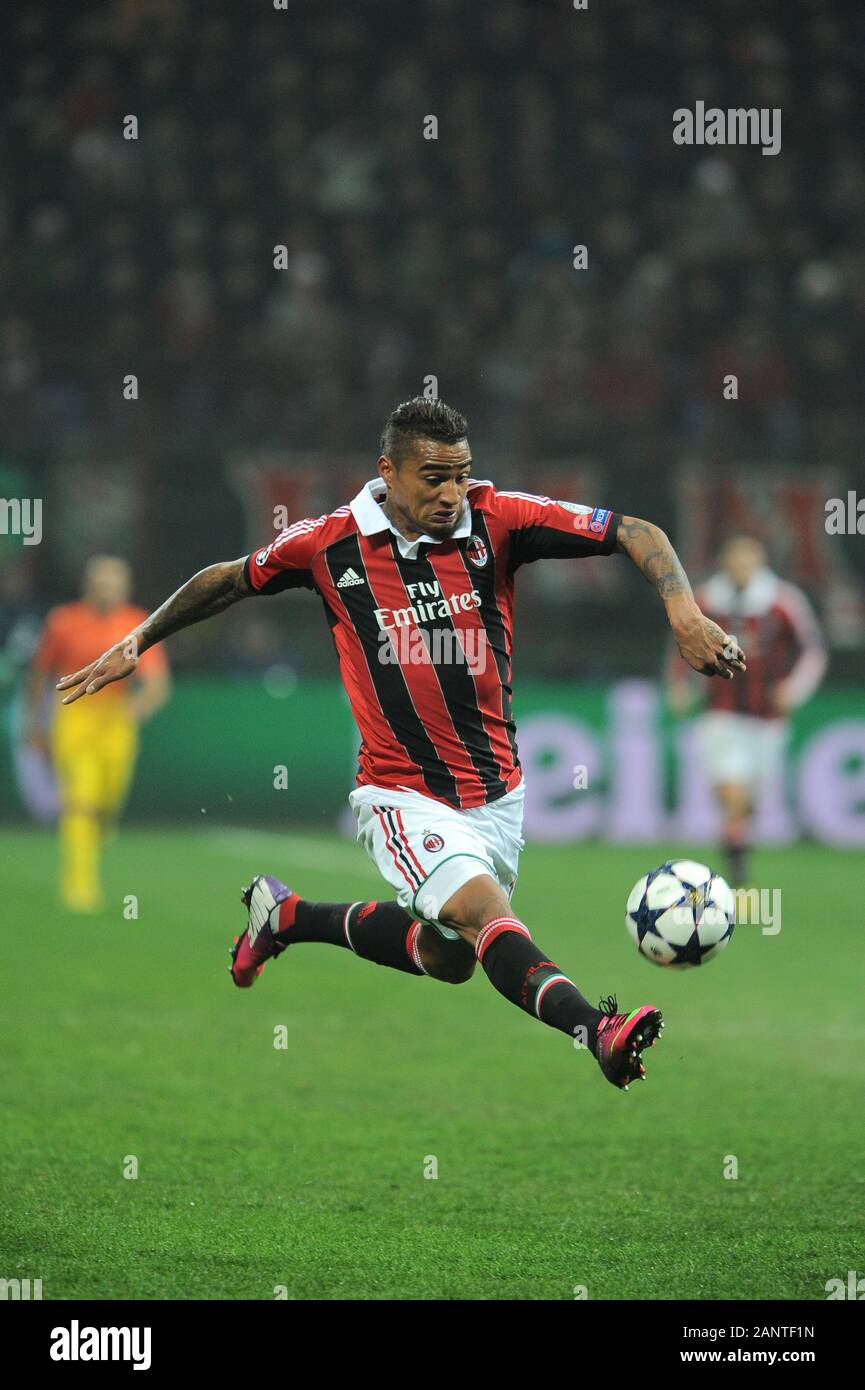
(594, 523)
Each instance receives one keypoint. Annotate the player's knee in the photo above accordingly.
(454, 972)
(473, 905)
(452, 962)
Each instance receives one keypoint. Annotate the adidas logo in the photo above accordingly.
(348, 579)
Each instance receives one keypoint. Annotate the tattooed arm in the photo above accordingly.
(703, 644)
(205, 594)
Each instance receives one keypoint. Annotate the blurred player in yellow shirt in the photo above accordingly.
(94, 746)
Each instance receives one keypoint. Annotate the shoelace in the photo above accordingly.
(609, 1006)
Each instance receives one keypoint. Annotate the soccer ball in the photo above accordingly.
(681, 914)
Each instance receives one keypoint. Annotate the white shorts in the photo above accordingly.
(427, 850)
(740, 747)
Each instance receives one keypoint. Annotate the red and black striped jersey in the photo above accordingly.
(423, 629)
(775, 626)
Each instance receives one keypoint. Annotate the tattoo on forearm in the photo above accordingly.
(653, 554)
(203, 596)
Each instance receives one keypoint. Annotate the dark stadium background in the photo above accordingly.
(409, 259)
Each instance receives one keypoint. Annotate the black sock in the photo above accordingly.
(380, 932)
(522, 973)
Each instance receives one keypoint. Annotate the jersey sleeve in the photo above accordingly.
(543, 529)
(811, 659)
(285, 563)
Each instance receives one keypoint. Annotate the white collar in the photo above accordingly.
(757, 596)
(370, 517)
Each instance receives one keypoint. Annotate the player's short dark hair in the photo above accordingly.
(420, 418)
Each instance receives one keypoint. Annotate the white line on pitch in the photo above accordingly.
(302, 849)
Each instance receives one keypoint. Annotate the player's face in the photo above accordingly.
(427, 489)
(107, 582)
(742, 559)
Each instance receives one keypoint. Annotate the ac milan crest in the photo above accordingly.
(432, 842)
(476, 551)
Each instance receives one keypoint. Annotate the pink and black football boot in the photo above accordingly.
(621, 1039)
(259, 942)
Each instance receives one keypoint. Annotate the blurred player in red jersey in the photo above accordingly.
(743, 734)
(93, 750)
(416, 575)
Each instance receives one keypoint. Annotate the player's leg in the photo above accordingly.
(457, 870)
(728, 763)
(450, 959)
(395, 934)
(119, 755)
(77, 767)
(382, 932)
(480, 911)
(737, 808)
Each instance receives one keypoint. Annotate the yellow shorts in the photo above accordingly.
(94, 748)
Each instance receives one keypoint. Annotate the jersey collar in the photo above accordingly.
(368, 513)
(757, 596)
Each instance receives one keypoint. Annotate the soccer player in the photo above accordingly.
(93, 746)
(743, 734)
(416, 575)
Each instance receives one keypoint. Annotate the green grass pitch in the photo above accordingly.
(304, 1167)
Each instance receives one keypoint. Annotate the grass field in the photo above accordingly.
(304, 1167)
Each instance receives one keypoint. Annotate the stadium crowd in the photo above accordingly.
(410, 256)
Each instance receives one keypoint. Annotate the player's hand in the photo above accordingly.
(114, 665)
(709, 649)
